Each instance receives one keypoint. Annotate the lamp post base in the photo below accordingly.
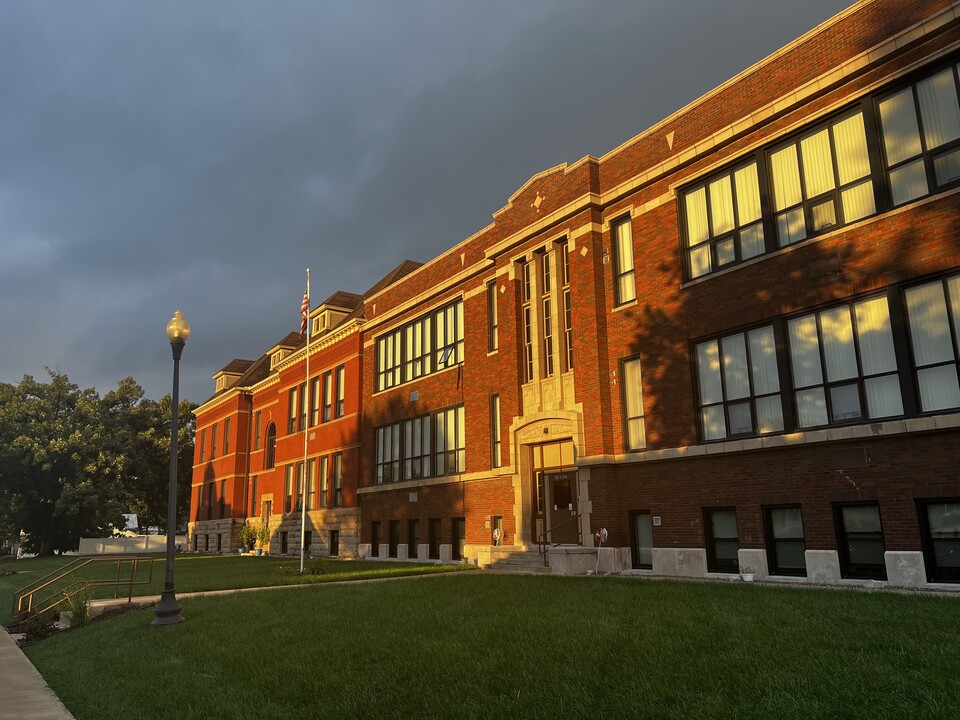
(167, 610)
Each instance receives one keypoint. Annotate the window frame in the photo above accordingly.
(619, 272)
(270, 458)
(715, 564)
(403, 456)
(935, 573)
(397, 360)
(327, 390)
(496, 448)
(858, 571)
(258, 417)
(213, 442)
(953, 328)
(774, 566)
(340, 373)
(625, 418)
(493, 318)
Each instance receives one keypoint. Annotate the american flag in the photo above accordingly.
(304, 312)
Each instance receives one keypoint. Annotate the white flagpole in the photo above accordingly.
(306, 431)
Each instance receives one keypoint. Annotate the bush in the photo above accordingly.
(78, 605)
(39, 626)
(248, 535)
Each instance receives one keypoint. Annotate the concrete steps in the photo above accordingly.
(517, 560)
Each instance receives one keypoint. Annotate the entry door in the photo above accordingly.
(562, 507)
(642, 532)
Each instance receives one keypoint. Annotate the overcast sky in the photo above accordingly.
(165, 155)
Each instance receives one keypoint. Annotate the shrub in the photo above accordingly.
(39, 626)
(78, 605)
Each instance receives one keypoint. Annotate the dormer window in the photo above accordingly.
(275, 359)
(221, 383)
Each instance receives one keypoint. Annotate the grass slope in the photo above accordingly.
(476, 645)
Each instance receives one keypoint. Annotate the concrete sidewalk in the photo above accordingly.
(24, 694)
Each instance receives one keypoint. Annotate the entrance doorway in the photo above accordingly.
(554, 493)
(641, 535)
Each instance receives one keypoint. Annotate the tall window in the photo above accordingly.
(933, 311)
(860, 541)
(324, 482)
(425, 446)
(785, 542)
(428, 344)
(256, 431)
(327, 396)
(203, 444)
(564, 251)
(226, 436)
(271, 453)
(288, 489)
(314, 401)
(844, 366)
(253, 496)
(496, 459)
(292, 411)
(739, 385)
(341, 391)
(223, 499)
(337, 479)
(527, 275)
(298, 503)
(722, 540)
(625, 284)
(546, 288)
(302, 424)
(635, 435)
(822, 180)
(723, 221)
(493, 338)
(213, 441)
(921, 136)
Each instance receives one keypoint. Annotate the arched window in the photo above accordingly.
(271, 445)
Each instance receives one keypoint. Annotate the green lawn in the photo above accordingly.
(478, 645)
(205, 572)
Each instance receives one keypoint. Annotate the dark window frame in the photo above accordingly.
(773, 565)
(326, 388)
(715, 564)
(859, 571)
(935, 573)
(340, 373)
(618, 272)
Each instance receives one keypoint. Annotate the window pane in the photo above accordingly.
(824, 215)
(624, 247)
(627, 287)
(632, 388)
(726, 253)
(929, 329)
(817, 163)
(938, 109)
(636, 437)
(696, 206)
(876, 340)
(714, 426)
(786, 523)
(791, 227)
(741, 420)
(751, 241)
(953, 290)
(769, 414)
(851, 146)
(811, 408)
(735, 367)
(786, 177)
(805, 352)
(883, 396)
(858, 202)
(748, 194)
(901, 135)
(908, 182)
(763, 360)
(699, 261)
(946, 168)
(724, 523)
(845, 402)
(861, 519)
(708, 365)
(838, 350)
(939, 389)
(721, 205)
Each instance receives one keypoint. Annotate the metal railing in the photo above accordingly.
(545, 544)
(25, 602)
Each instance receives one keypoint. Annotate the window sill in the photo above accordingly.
(624, 306)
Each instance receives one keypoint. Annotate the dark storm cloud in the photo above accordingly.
(201, 155)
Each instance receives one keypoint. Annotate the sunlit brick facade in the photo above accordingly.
(732, 342)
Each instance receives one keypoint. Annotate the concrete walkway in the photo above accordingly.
(24, 694)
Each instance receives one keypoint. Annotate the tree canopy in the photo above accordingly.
(72, 462)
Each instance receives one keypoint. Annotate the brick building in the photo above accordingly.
(731, 342)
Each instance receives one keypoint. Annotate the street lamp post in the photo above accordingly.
(168, 609)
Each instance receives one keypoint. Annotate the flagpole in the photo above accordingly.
(306, 432)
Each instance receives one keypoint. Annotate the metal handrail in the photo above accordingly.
(542, 537)
(25, 604)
